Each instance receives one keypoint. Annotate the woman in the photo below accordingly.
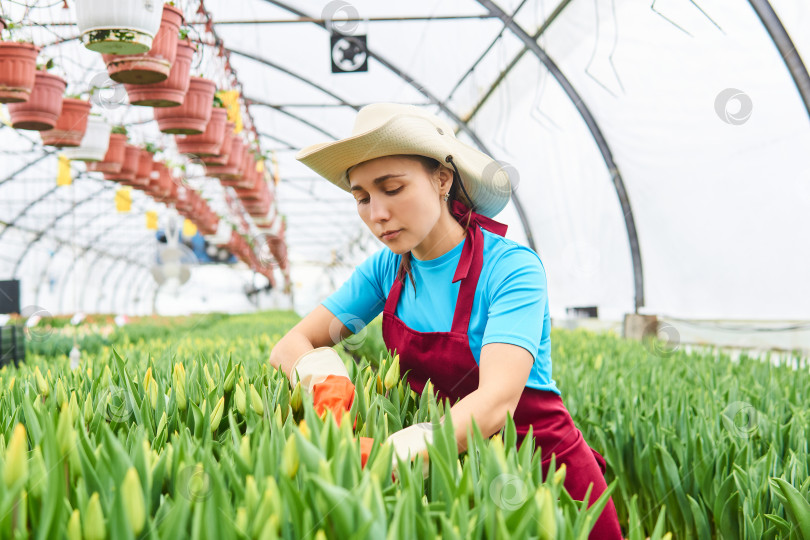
(462, 306)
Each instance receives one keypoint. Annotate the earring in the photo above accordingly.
(446, 196)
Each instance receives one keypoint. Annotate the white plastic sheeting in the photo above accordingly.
(719, 194)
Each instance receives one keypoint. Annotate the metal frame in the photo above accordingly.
(596, 133)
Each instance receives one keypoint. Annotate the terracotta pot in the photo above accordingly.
(155, 65)
(144, 172)
(95, 142)
(129, 166)
(71, 125)
(193, 115)
(118, 26)
(209, 142)
(18, 63)
(114, 158)
(172, 91)
(43, 108)
(248, 173)
(233, 169)
(221, 157)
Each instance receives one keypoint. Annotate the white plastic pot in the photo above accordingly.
(94, 143)
(118, 26)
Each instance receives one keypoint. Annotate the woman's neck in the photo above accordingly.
(446, 235)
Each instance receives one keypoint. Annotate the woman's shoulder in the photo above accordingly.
(499, 250)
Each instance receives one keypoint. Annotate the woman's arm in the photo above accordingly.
(503, 372)
(320, 328)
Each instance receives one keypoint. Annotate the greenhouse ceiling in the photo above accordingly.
(659, 147)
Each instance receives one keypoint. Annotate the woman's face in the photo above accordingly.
(396, 193)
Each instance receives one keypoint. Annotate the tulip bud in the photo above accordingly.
(134, 504)
(547, 519)
(256, 401)
(216, 414)
(73, 407)
(65, 435)
(239, 398)
(289, 458)
(392, 375)
(16, 466)
(106, 376)
(251, 494)
(11, 384)
(241, 521)
(150, 387)
(229, 379)
(244, 450)
(296, 400)
(179, 379)
(61, 393)
(559, 475)
(380, 387)
(42, 385)
(94, 527)
(39, 473)
(74, 527)
(304, 429)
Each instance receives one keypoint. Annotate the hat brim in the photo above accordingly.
(486, 180)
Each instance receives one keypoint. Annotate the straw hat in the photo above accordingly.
(387, 129)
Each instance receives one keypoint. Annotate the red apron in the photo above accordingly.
(447, 360)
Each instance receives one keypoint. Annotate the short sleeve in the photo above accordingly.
(517, 300)
(362, 297)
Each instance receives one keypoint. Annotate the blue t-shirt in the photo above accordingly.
(510, 304)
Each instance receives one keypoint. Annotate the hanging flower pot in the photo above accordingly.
(18, 63)
(172, 91)
(153, 66)
(246, 178)
(221, 157)
(71, 125)
(95, 142)
(118, 26)
(129, 166)
(113, 158)
(193, 115)
(233, 168)
(43, 108)
(145, 163)
(209, 142)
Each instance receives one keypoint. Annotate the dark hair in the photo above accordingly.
(456, 194)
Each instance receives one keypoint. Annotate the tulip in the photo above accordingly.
(296, 400)
(16, 459)
(42, 385)
(74, 527)
(65, 434)
(229, 379)
(61, 393)
(547, 519)
(150, 387)
(244, 450)
(94, 528)
(392, 375)
(256, 401)
(134, 505)
(179, 379)
(239, 397)
(289, 458)
(216, 414)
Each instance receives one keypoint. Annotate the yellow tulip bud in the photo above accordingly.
(94, 527)
(74, 527)
(241, 520)
(256, 401)
(304, 429)
(244, 450)
(65, 434)
(179, 387)
(61, 393)
(73, 407)
(150, 387)
(88, 409)
(392, 375)
(239, 398)
(559, 475)
(296, 400)
(16, 458)
(134, 504)
(380, 386)
(547, 520)
(251, 494)
(42, 385)
(216, 414)
(39, 472)
(289, 458)
(229, 379)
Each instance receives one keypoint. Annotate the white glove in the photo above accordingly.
(314, 366)
(411, 441)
